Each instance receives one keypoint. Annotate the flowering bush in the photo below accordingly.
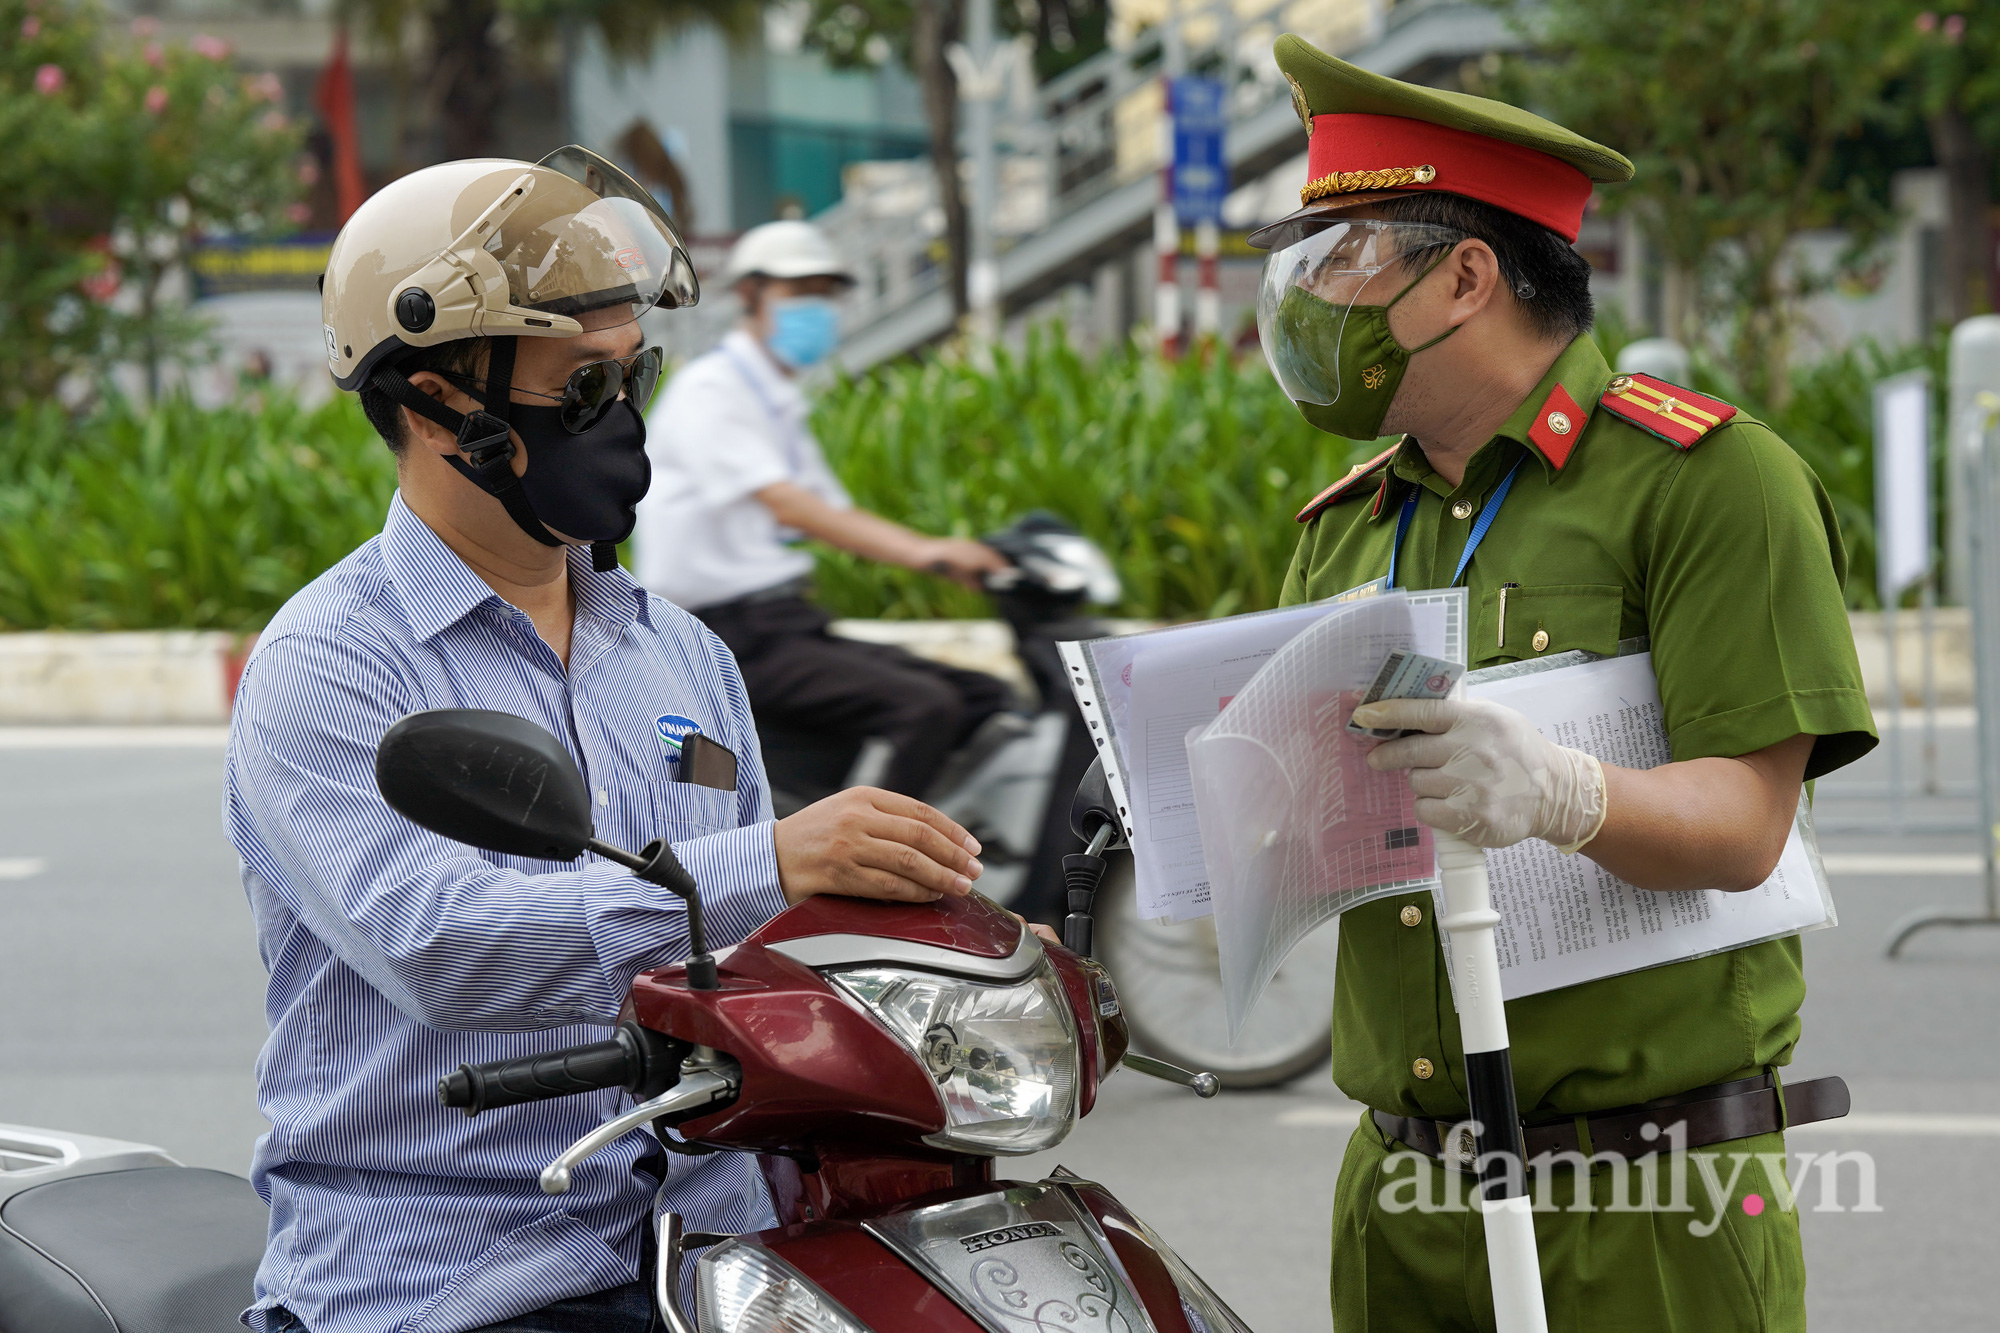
(121, 151)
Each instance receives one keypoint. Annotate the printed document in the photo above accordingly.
(1294, 826)
(1143, 693)
(1566, 919)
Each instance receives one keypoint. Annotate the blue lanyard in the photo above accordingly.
(1479, 525)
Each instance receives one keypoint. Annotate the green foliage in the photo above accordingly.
(1733, 112)
(180, 518)
(1953, 53)
(1187, 472)
(121, 153)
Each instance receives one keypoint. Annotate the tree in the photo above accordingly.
(1733, 112)
(858, 34)
(467, 61)
(121, 156)
(1951, 67)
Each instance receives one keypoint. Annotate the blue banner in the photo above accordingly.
(1201, 172)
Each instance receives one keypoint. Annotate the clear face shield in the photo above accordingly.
(1323, 303)
(590, 238)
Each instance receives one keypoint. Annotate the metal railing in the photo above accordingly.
(1980, 480)
(1084, 135)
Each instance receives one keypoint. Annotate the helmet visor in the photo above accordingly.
(1309, 290)
(592, 238)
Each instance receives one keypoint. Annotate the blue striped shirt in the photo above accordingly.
(395, 955)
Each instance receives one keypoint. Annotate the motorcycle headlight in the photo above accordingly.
(1003, 1055)
(744, 1288)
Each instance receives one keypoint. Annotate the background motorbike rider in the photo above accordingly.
(488, 311)
(739, 481)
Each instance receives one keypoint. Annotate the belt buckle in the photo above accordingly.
(1458, 1146)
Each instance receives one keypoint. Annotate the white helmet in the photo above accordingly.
(786, 250)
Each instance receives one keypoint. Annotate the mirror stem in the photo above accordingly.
(657, 864)
(1082, 874)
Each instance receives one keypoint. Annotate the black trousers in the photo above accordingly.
(800, 676)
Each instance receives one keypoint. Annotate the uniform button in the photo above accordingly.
(1413, 915)
(1541, 640)
(1559, 422)
(1619, 384)
(1423, 1068)
(1463, 509)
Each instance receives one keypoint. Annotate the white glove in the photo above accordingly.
(1487, 775)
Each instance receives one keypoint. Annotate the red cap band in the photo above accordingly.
(1521, 180)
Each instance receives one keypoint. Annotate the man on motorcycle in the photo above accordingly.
(739, 481)
(487, 313)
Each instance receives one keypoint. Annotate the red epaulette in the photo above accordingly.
(1679, 416)
(1349, 484)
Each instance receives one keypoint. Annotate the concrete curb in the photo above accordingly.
(187, 677)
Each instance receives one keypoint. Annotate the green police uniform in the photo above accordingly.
(1633, 513)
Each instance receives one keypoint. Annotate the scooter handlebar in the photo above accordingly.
(643, 1062)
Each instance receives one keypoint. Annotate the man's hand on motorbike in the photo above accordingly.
(958, 558)
(1482, 771)
(868, 843)
(1037, 929)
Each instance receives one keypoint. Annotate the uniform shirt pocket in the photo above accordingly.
(1547, 618)
(683, 810)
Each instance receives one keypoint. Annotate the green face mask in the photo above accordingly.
(1346, 359)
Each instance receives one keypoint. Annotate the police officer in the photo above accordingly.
(1428, 289)
(739, 482)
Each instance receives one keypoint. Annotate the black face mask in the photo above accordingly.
(586, 486)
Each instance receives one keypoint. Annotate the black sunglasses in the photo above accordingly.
(591, 390)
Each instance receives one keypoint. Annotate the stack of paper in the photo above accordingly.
(1244, 794)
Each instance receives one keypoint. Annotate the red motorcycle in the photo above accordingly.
(876, 1057)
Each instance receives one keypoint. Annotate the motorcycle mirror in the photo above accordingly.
(1093, 807)
(488, 779)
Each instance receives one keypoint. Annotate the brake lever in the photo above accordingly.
(697, 1088)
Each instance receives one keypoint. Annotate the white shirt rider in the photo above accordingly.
(737, 474)
(730, 424)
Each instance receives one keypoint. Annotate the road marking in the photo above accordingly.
(112, 738)
(1903, 863)
(21, 867)
(1949, 717)
(1344, 1115)
(1921, 1124)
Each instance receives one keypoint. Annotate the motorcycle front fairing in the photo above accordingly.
(1059, 1254)
(890, 1227)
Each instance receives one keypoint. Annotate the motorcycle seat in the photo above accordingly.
(149, 1250)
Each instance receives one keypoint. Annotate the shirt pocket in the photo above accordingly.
(683, 810)
(1547, 618)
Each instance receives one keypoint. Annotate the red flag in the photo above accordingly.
(335, 99)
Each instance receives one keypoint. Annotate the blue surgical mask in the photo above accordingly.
(804, 331)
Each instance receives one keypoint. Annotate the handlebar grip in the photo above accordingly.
(642, 1061)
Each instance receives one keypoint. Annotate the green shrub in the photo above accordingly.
(1187, 472)
(122, 152)
(181, 518)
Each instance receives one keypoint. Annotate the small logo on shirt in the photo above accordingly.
(672, 729)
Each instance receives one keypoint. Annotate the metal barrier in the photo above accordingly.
(1979, 481)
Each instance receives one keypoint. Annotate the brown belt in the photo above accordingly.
(1717, 1114)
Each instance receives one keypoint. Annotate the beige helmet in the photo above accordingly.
(489, 247)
